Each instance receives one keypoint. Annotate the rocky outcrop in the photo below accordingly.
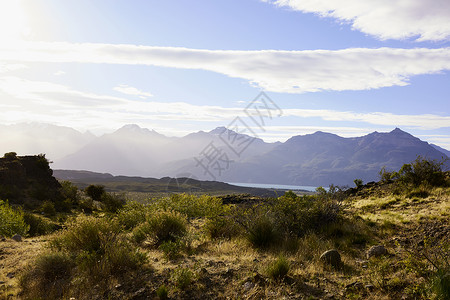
(27, 179)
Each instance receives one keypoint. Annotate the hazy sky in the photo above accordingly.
(176, 66)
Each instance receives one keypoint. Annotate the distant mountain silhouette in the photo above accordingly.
(440, 149)
(317, 159)
(33, 138)
(324, 158)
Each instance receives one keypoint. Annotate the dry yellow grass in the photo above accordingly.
(14, 256)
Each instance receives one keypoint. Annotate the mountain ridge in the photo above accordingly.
(316, 159)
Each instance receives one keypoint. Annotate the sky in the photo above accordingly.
(349, 67)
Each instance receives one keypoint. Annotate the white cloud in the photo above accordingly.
(129, 90)
(27, 100)
(424, 121)
(426, 20)
(59, 73)
(271, 70)
(4, 68)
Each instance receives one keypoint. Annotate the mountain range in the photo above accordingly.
(317, 159)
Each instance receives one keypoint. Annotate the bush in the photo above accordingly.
(70, 191)
(87, 234)
(112, 202)
(221, 227)
(298, 214)
(86, 205)
(11, 220)
(162, 292)
(422, 171)
(358, 183)
(166, 226)
(182, 277)
(38, 225)
(10, 156)
(192, 206)
(279, 268)
(171, 250)
(95, 191)
(48, 208)
(262, 232)
(131, 215)
(48, 277)
(432, 262)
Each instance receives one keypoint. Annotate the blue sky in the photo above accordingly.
(348, 67)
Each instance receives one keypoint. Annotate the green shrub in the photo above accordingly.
(112, 202)
(70, 191)
(95, 191)
(192, 206)
(131, 215)
(221, 227)
(279, 268)
(296, 215)
(86, 205)
(432, 262)
(262, 232)
(141, 232)
(48, 277)
(11, 220)
(166, 226)
(358, 182)
(385, 175)
(10, 156)
(38, 225)
(171, 249)
(182, 277)
(162, 292)
(422, 171)
(98, 247)
(87, 234)
(48, 208)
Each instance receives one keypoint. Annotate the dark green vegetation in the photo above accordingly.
(159, 187)
(186, 246)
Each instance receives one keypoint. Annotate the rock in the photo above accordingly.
(17, 237)
(376, 251)
(248, 285)
(354, 285)
(10, 275)
(331, 257)
(370, 287)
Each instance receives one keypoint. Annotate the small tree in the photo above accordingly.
(358, 182)
(95, 191)
(10, 155)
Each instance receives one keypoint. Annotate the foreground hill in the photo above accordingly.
(384, 240)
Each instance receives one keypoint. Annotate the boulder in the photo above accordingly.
(331, 257)
(17, 237)
(376, 251)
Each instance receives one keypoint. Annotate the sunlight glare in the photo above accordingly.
(13, 25)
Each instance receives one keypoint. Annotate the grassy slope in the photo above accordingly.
(233, 269)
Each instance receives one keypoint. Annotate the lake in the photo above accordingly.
(275, 186)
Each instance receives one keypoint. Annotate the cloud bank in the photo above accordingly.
(27, 100)
(271, 70)
(426, 20)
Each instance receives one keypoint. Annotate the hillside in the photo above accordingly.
(384, 240)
